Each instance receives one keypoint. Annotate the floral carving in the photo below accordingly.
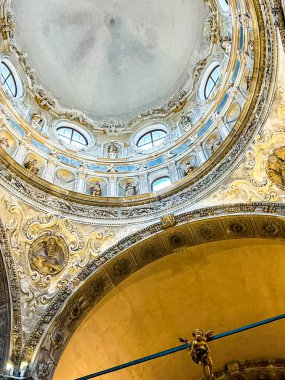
(98, 286)
(177, 239)
(121, 267)
(207, 231)
(148, 252)
(271, 227)
(112, 127)
(237, 227)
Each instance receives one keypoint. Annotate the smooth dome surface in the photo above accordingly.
(110, 58)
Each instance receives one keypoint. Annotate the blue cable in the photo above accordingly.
(180, 348)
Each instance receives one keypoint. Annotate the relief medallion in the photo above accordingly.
(276, 168)
(48, 255)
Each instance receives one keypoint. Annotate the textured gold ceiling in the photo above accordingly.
(219, 285)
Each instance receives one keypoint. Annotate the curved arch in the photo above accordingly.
(220, 285)
(5, 322)
(10, 311)
(133, 253)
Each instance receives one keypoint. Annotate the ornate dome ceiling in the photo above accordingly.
(212, 55)
(111, 59)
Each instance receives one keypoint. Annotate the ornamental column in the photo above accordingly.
(81, 181)
(201, 155)
(21, 151)
(173, 173)
(143, 184)
(50, 170)
(112, 186)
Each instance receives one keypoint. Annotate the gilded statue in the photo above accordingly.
(37, 120)
(7, 26)
(96, 189)
(47, 257)
(113, 150)
(130, 190)
(189, 169)
(226, 44)
(215, 145)
(32, 166)
(199, 350)
(276, 168)
(168, 221)
(4, 143)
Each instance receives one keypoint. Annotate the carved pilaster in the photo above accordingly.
(112, 188)
(50, 170)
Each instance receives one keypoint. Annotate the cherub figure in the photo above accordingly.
(96, 189)
(189, 169)
(199, 350)
(32, 166)
(130, 190)
(37, 120)
(215, 145)
(4, 143)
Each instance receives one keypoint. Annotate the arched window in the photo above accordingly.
(8, 79)
(212, 81)
(224, 5)
(72, 137)
(151, 139)
(160, 183)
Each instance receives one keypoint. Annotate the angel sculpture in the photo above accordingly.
(199, 350)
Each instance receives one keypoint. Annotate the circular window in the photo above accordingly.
(212, 81)
(72, 137)
(160, 183)
(151, 139)
(8, 79)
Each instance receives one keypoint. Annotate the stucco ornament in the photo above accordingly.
(276, 168)
(47, 255)
(7, 26)
(168, 221)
